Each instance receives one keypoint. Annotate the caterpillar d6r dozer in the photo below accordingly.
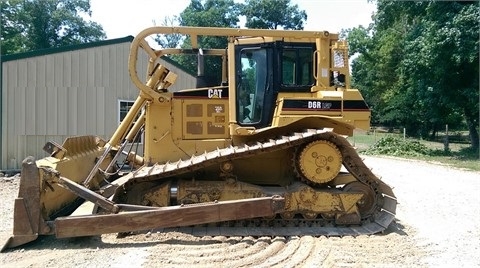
(263, 152)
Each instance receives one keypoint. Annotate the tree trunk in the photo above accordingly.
(472, 132)
(434, 132)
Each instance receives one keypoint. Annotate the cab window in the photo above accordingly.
(297, 66)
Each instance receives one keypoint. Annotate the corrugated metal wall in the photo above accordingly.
(72, 93)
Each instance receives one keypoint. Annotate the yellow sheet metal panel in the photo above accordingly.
(205, 119)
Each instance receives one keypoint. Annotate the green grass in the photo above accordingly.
(459, 155)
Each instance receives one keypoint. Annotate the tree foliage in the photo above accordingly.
(271, 14)
(169, 40)
(210, 13)
(36, 24)
(418, 65)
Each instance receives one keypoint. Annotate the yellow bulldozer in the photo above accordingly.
(263, 152)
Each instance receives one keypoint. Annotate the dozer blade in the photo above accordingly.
(38, 200)
(26, 215)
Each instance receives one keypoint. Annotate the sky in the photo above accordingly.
(120, 18)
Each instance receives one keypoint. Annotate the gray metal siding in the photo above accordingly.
(72, 93)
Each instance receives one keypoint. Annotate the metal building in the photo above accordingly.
(50, 94)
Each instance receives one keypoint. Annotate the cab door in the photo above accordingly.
(255, 92)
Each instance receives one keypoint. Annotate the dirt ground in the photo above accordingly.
(437, 225)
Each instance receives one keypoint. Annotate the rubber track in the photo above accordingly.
(381, 218)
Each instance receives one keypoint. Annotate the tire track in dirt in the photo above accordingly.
(240, 252)
(395, 247)
(243, 252)
(289, 249)
(297, 250)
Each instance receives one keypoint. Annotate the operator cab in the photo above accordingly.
(258, 82)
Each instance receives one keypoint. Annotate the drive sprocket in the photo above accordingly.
(318, 162)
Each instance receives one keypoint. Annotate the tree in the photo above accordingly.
(169, 40)
(11, 38)
(210, 13)
(37, 24)
(418, 64)
(271, 14)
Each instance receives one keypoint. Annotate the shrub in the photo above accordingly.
(394, 146)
